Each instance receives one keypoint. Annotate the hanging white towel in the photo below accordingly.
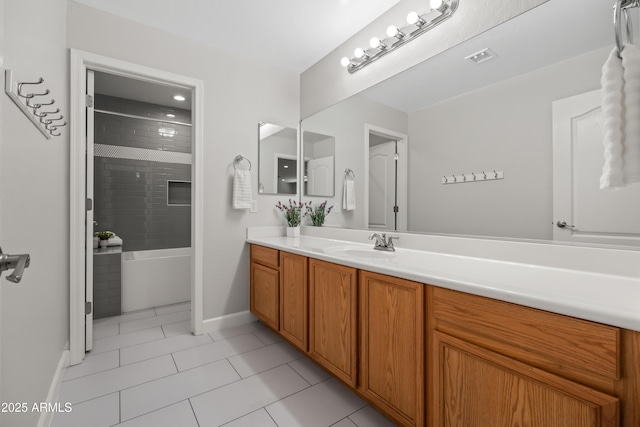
(612, 113)
(631, 98)
(621, 118)
(349, 194)
(242, 189)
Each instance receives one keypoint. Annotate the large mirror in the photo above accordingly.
(318, 152)
(277, 159)
(474, 141)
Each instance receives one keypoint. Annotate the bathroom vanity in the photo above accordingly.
(412, 335)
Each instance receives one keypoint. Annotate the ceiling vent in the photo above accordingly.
(482, 56)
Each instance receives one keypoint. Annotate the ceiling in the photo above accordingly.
(290, 34)
(551, 32)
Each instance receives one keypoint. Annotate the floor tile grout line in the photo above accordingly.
(155, 326)
(247, 414)
(158, 409)
(270, 416)
(164, 354)
(126, 388)
(299, 374)
(194, 412)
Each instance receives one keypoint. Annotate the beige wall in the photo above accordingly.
(506, 126)
(327, 82)
(34, 192)
(238, 94)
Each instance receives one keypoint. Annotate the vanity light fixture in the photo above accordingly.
(418, 24)
(179, 98)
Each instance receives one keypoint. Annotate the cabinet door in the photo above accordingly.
(475, 387)
(392, 338)
(293, 299)
(333, 318)
(265, 288)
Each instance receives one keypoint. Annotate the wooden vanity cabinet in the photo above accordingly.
(499, 364)
(392, 346)
(333, 314)
(265, 285)
(294, 299)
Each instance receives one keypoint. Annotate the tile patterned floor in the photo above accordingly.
(147, 370)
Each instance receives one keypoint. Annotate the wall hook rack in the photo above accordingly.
(20, 93)
(465, 178)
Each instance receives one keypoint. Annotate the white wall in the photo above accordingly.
(239, 93)
(506, 126)
(35, 209)
(345, 121)
(327, 82)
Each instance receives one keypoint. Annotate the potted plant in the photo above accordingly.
(104, 236)
(293, 214)
(319, 213)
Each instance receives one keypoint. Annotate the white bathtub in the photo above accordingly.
(154, 278)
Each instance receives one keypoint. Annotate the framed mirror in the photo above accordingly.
(277, 159)
(318, 152)
(487, 108)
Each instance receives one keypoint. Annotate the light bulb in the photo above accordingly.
(413, 18)
(358, 53)
(179, 98)
(436, 4)
(345, 61)
(375, 42)
(393, 31)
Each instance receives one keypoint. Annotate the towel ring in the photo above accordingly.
(239, 159)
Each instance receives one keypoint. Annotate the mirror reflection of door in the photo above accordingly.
(383, 174)
(277, 159)
(287, 181)
(319, 169)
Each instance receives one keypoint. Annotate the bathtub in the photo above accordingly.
(156, 277)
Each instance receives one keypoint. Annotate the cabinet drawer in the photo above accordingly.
(264, 256)
(555, 342)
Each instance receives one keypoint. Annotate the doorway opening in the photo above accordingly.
(386, 179)
(164, 136)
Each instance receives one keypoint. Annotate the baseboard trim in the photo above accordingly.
(228, 321)
(46, 417)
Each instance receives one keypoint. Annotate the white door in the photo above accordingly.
(382, 186)
(320, 176)
(592, 215)
(88, 325)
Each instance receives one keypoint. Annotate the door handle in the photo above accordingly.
(563, 224)
(16, 262)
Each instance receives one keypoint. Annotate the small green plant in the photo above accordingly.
(104, 235)
(319, 213)
(292, 213)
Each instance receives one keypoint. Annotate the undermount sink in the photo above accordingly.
(359, 253)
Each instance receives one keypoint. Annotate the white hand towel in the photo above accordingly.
(631, 98)
(349, 195)
(114, 241)
(612, 111)
(242, 189)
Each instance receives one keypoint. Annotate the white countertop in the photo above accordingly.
(605, 298)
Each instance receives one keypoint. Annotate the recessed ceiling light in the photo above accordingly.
(286, 166)
(171, 116)
(179, 98)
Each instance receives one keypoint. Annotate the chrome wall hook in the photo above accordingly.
(20, 94)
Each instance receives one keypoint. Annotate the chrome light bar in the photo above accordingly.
(440, 11)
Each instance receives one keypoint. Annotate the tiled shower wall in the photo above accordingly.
(131, 193)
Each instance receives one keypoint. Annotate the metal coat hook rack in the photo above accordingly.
(472, 177)
(35, 104)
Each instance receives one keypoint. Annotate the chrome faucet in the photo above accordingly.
(383, 242)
